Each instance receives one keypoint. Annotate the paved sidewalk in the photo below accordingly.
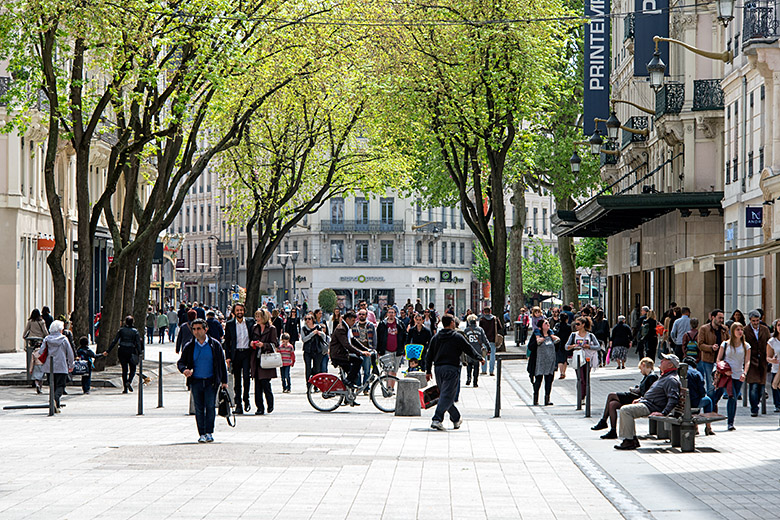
(99, 460)
(731, 475)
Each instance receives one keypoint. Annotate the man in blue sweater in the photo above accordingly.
(203, 363)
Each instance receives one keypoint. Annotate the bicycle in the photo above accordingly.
(327, 392)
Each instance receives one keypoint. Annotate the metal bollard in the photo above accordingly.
(497, 412)
(744, 394)
(579, 388)
(140, 384)
(51, 388)
(587, 389)
(763, 399)
(160, 384)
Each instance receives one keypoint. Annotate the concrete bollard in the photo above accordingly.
(420, 376)
(407, 399)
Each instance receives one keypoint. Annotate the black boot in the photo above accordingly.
(536, 398)
(601, 425)
(611, 434)
(239, 410)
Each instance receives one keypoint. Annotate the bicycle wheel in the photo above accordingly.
(324, 401)
(382, 395)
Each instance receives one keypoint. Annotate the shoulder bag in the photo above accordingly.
(270, 360)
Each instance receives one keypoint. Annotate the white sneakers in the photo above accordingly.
(437, 425)
(205, 438)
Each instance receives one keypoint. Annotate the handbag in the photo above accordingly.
(500, 345)
(80, 367)
(225, 407)
(270, 360)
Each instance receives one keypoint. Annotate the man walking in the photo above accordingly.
(173, 322)
(757, 335)
(478, 340)
(489, 324)
(391, 339)
(659, 400)
(162, 324)
(444, 351)
(365, 333)
(237, 334)
(151, 324)
(680, 327)
(711, 336)
(202, 361)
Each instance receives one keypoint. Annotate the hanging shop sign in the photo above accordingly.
(754, 217)
(596, 93)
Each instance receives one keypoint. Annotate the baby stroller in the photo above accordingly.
(414, 358)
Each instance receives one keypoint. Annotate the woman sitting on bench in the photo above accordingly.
(617, 399)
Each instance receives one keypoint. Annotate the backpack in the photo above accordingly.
(692, 344)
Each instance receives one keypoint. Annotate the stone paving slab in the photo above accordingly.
(99, 460)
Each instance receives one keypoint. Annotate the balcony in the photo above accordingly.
(362, 226)
(707, 95)
(628, 26)
(669, 99)
(759, 22)
(637, 123)
(606, 158)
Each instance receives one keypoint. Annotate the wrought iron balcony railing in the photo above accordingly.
(362, 226)
(707, 94)
(637, 123)
(669, 99)
(607, 158)
(759, 21)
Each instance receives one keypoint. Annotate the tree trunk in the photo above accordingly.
(142, 283)
(111, 318)
(498, 267)
(254, 273)
(81, 316)
(517, 300)
(566, 252)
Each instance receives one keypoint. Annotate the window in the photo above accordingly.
(430, 252)
(728, 172)
(337, 251)
(419, 251)
(544, 221)
(305, 251)
(736, 45)
(750, 164)
(361, 251)
(187, 221)
(443, 217)
(201, 218)
(211, 256)
(444, 252)
(430, 214)
(418, 211)
(462, 253)
(452, 217)
(295, 245)
(286, 246)
(453, 252)
(735, 165)
(536, 221)
(200, 185)
(337, 211)
(202, 257)
(189, 258)
(306, 219)
(386, 251)
(462, 222)
(761, 159)
(243, 255)
(386, 206)
(208, 222)
(361, 211)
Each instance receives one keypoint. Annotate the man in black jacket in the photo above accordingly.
(238, 332)
(444, 352)
(202, 361)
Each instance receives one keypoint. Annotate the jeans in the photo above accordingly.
(472, 372)
(204, 395)
(172, 332)
(128, 367)
(161, 331)
(492, 355)
(60, 381)
(263, 387)
(366, 369)
(313, 363)
(705, 404)
(755, 393)
(731, 406)
(241, 368)
(448, 380)
(150, 335)
(86, 381)
(324, 364)
(285, 377)
(706, 371)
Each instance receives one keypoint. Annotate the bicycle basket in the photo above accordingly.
(387, 361)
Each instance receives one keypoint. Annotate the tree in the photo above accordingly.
(541, 270)
(481, 266)
(591, 251)
(327, 300)
(458, 92)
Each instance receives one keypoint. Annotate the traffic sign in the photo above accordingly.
(235, 296)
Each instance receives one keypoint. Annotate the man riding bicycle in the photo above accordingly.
(345, 350)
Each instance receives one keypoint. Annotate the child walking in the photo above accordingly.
(287, 350)
(84, 353)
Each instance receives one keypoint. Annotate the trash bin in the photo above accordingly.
(517, 333)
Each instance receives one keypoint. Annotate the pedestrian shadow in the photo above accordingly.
(649, 450)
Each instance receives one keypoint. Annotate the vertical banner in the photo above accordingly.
(597, 58)
(651, 19)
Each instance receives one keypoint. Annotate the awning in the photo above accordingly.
(709, 261)
(606, 215)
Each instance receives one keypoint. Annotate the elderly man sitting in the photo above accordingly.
(660, 399)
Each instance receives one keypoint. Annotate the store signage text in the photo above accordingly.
(362, 279)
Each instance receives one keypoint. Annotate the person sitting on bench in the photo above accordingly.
(659, 400)
(696, 392)
(616, 400)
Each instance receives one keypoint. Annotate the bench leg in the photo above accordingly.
(653, 427)
(688, 438)
(663, 433)
(675, 435)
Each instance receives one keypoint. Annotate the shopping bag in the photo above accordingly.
(429, 396)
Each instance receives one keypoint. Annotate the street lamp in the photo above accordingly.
(283, 258)
(575, 162)
(217, 268)
(725, 11)
(294, 258)
(656, 67)
(595, 142)
(613, 125)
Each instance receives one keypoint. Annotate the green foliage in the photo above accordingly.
(591, 251)
(327, 300)
(481, 267)
(541, 270)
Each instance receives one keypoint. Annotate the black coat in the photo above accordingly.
(381, 337)
(621, 335)
(291, 327)
(127, 337)
(186, 360)
(230, 335)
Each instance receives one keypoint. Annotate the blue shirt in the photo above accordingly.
(203, 358)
